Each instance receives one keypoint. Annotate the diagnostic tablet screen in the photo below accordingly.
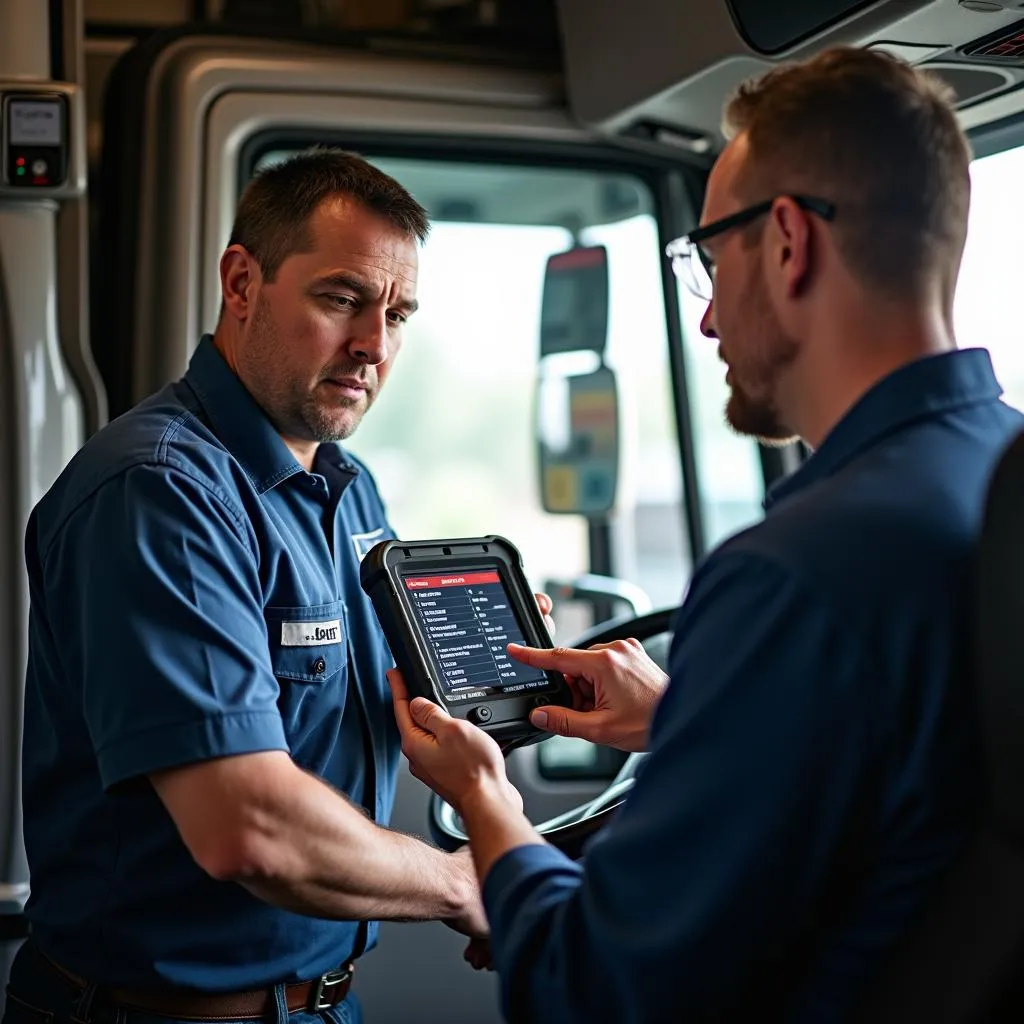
(467, 620)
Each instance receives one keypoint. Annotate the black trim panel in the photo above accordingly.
(763, 39)
(58, 69)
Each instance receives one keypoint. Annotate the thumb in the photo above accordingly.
(427, 714)
(567, 722)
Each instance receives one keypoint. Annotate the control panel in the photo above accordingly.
(43, 135)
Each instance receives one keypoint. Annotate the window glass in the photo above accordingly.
(987, 308)
(651, 548)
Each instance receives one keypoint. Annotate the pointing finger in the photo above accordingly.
(558, 659)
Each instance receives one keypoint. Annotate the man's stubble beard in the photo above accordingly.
(751, 409)
(294, 410)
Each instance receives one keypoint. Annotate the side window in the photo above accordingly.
(987, 309)
(728, 465)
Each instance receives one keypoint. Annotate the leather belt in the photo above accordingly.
(311, 996)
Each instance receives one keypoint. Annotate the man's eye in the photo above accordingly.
(345, 301)
(396, 318)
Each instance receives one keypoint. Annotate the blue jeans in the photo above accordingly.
(37, 994)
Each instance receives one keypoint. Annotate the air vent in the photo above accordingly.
(1005, 48)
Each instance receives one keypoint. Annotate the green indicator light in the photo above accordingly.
(21, 170)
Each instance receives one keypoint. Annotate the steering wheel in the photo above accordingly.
(570, 830)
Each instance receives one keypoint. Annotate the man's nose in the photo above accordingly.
(370, 344)
(707, 321)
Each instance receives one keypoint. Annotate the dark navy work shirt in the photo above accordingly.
(812, 764)
(194, 594)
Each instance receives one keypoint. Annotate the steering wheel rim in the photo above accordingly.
(570, 830)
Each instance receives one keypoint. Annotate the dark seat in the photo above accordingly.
(964, 963)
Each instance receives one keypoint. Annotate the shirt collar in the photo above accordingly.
(242, 426)
(922, 388)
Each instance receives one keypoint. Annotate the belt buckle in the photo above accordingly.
(325, 983)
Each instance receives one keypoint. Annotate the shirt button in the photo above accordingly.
(319, 666)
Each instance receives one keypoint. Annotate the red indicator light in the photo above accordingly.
(20, 161)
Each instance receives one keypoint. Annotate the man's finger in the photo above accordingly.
(427, 715)
(557, 659)
(406, 725)
(587, 725)
(397, 684)
(544, 603)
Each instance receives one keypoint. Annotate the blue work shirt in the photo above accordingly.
(813, 766)
(194, 594)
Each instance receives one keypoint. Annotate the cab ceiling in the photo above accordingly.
(662, 69)
(657, 71)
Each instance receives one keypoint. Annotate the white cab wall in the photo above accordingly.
(42, 423)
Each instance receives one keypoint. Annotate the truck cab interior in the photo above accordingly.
(529, 129)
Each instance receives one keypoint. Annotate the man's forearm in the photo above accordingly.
(261, 821)
(334, 862)
(494, 827)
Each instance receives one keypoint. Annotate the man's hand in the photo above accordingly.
(464, 766)
(478, 955)
(546, 606)
(472, 922)
(615, 689)
(454, 758)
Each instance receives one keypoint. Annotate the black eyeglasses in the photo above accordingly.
(696, 269)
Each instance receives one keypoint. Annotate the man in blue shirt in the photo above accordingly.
(209, 746)
(813, 765)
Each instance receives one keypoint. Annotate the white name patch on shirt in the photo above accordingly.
(310, 634)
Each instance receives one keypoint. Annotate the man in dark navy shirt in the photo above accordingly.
(210, 749)
(812, 765)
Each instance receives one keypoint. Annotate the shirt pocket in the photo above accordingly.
(309, 655)
(307, 644)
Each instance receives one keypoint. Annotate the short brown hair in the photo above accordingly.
(272, 221)
(881, 141)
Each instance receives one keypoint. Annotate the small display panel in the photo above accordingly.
(35, 123)
(467, 619)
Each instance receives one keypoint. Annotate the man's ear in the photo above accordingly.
(240, 279)
(788, 241)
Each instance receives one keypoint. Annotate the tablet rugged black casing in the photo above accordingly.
(505, 716)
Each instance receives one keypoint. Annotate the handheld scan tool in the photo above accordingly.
(448, 609)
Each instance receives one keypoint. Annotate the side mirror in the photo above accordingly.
(577, 404)
(578, 442)
(574, 302)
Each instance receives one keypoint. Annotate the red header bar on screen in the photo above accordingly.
(466, 579)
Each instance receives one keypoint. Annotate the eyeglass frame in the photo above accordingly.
(677, 249)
